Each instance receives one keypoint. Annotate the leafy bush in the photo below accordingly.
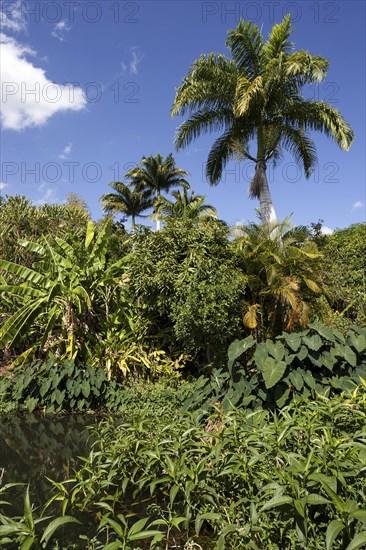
(344, 272)
(141, 400)
(242, 479)
(318, 360)
(186, 278)
(62, 303)
(57, 385)
(281, 268)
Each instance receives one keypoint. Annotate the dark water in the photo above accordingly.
(33, 446)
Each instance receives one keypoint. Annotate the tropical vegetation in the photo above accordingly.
(221, 371)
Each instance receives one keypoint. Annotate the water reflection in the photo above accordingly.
(33, 446)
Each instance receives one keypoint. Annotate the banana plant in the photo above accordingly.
(62, 298)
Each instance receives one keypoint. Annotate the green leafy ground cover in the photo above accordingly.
(257, 479)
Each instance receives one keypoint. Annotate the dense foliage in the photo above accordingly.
(186, 274)
(240, 479)
(234, 360)
(345, 271)
(270, 374)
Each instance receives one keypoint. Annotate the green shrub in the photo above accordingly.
(242, 479)
(57, 385)
(318, 360)
(187, 280)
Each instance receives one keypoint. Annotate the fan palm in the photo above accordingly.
(156, 174)
(190, 206)
(127, 201)
(255, 98)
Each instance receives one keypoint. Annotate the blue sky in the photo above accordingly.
(103, 75)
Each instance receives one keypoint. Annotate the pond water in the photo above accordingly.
(33, 446)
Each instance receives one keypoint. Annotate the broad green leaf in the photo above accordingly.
(33, 247)
(293, 340)
(173, 493)
(358, 342)
(206, 516)
(323, 330)
(237, 348)
(309, 379)
(334, 528)
(273, 371)
(220, 544)
(350, 356)
(19, 290)
(89, 234)
(302, 353)
(80, 291)
(138, 526)
(296, 379)
(360, 515)
(144, 535)
(315, 500)
(13, 327)
(66, 247)
(274, 502)
(359, 541)
(313, 342)
(86, 388)
(55, 524)
(27, 543)
(28, 509)
(23, 272)
(276, 349)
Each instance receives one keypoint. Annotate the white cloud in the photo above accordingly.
(12, 17)
(3, 185)
(327, 230)
(28, 98)
(60, 29)
(66, 151)
(134, 62)
(48, 195)
(358, 204)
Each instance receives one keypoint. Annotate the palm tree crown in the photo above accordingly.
(127, 201)
(156, 174)
(189, 206)
(256, 96)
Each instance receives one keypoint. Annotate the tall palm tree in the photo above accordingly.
(255, 98)
(156, 174)
(131, 202)
(190, 206)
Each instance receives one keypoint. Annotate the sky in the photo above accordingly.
(87, 88)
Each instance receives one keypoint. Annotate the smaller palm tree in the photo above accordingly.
(131, 202)
(185, 206)
(283, 278)
(156, 174)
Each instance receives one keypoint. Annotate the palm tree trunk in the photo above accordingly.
(133, 224)
(158, 221)
(267, 210)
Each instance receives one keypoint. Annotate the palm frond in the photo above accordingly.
(278, 40)
(245, 44)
